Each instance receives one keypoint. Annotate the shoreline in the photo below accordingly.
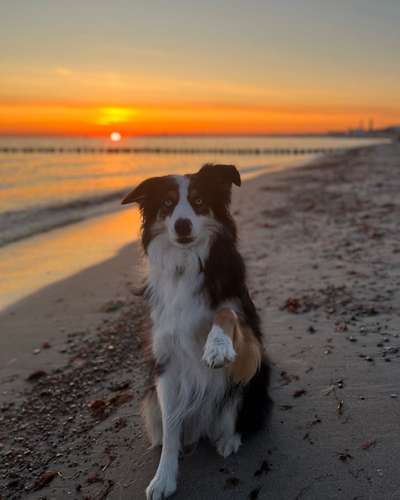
(48, 314)
(30, 265)
(110, 228)
(320, 243)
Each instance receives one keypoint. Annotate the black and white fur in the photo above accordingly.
(195, 269)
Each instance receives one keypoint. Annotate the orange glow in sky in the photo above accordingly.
(200, 68)
(177, 119)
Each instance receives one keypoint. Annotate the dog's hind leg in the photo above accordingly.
(152, 417)
(223, 432)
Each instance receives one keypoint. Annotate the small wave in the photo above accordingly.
(254, 168)
(19, 224)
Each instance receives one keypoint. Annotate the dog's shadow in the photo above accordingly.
(204, 474)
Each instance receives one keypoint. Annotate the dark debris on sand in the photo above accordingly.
(53, 425)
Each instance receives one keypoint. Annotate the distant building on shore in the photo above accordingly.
(392, 132)
(371, 125)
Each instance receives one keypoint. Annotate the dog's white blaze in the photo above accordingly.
(184, 210)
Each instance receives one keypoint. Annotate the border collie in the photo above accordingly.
(212, 373)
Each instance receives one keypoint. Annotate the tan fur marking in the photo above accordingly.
(247, 347)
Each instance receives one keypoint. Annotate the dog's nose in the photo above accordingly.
(183, 227)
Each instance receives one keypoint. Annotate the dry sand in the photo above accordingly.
(322, 244)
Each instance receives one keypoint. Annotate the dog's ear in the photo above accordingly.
(223, 174)
(142, 191)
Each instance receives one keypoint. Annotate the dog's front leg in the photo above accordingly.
(232, 344)
(219, 350)
(164, 482)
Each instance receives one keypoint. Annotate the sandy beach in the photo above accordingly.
(322, 246)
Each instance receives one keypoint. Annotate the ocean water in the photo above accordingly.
(60, 209)
(47, 183)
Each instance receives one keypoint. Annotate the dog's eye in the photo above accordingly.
(167, 203)
(198, 201)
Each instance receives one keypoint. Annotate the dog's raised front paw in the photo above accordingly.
(160, 487)
(218, 350)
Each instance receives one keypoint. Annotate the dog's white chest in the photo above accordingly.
(181, 321)
(181, 314)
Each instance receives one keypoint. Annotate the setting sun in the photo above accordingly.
(115, 136)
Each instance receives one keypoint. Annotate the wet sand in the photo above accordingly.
(322, 247)
(32, 264)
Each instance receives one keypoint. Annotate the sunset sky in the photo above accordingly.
(223, 66)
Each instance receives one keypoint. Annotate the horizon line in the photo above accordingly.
(182, 134)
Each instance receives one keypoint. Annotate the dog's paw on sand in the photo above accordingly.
(218, 350)
(226, 447)
(162, 486)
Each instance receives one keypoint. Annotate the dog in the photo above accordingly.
(212, 372)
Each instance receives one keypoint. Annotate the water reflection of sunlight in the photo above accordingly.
(31, 264)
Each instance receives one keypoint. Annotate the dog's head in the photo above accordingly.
(187, 208)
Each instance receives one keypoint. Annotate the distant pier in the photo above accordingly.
(168, 150)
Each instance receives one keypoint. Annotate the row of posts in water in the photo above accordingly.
(180, 151)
